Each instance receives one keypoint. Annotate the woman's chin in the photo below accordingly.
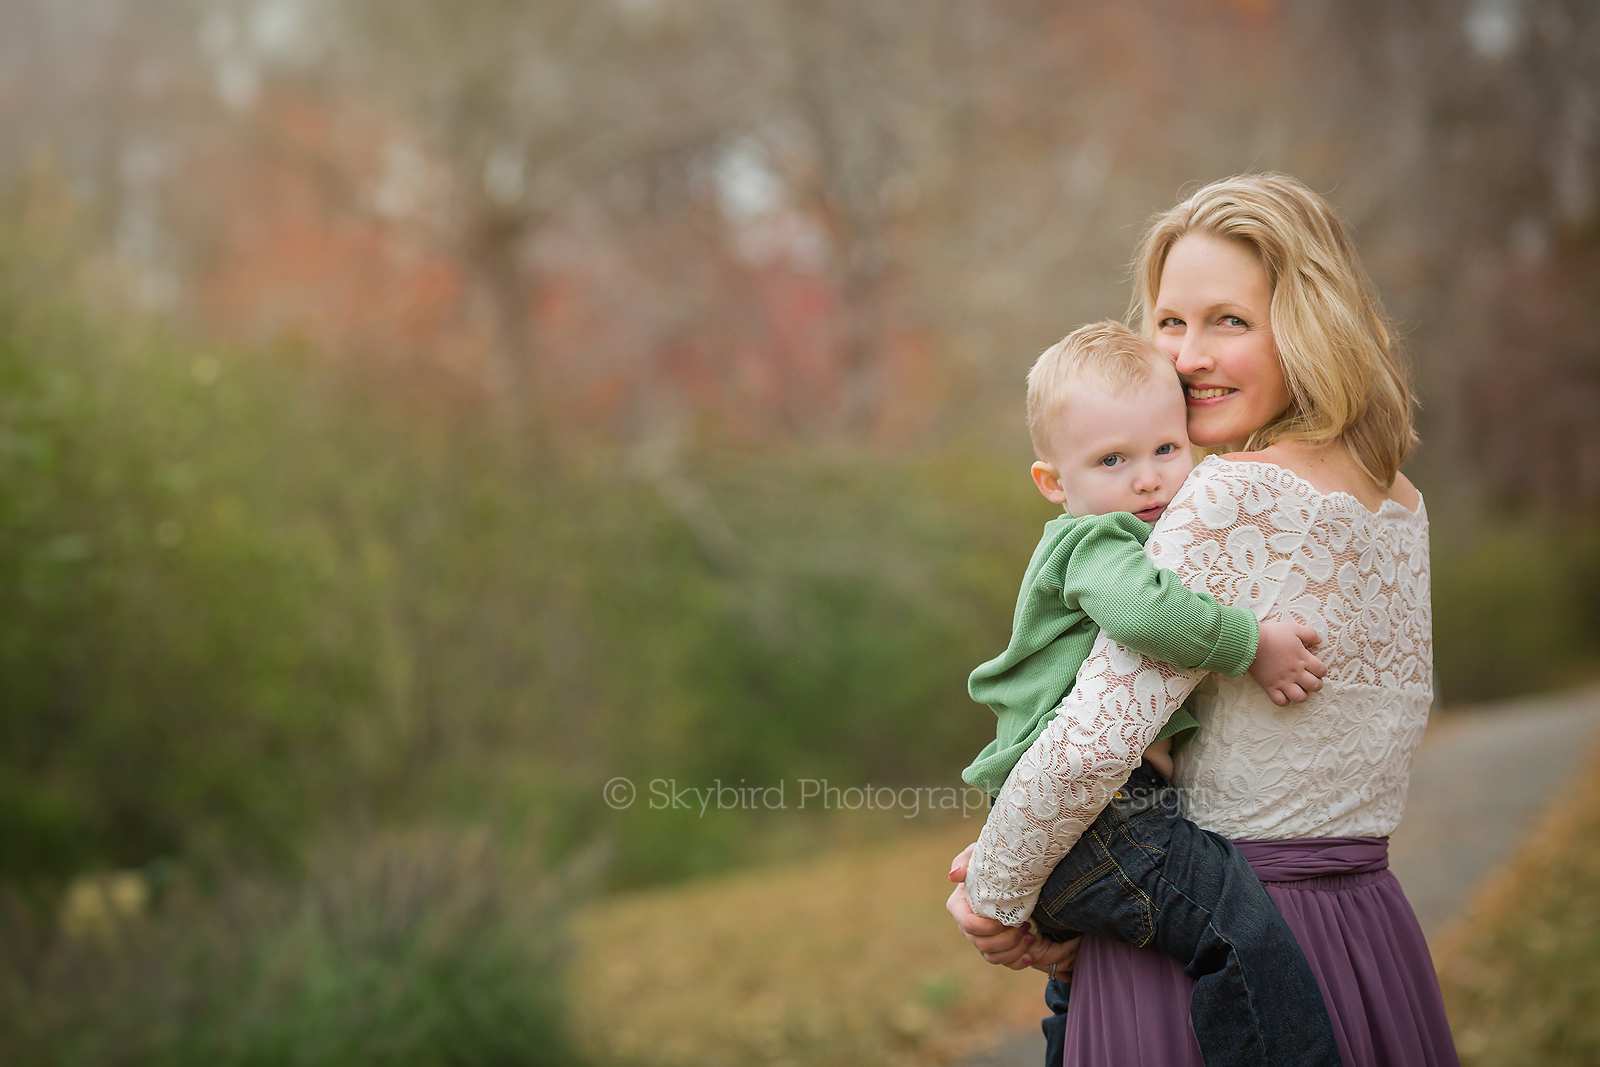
(1216, 442)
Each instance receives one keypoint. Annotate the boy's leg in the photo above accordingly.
(1144, 876)
(1255, 997)
(1097, 886)
(1054, 1025)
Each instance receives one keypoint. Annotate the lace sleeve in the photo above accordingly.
(1223, 533)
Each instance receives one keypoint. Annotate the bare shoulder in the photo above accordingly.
(1405, 494)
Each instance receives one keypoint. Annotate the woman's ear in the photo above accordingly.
(1048, 479)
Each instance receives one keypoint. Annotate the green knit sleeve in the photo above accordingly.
(1146, 608)
(1181, 728)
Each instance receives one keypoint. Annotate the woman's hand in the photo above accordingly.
(1056, 958)
(1016, 947)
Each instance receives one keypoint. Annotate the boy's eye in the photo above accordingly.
(1110, 461)
(1166, 450)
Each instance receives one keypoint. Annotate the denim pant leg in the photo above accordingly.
(1054, 1025)
(1144, 876)
(1256, 1000)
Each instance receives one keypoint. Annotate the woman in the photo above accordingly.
(1254, 289)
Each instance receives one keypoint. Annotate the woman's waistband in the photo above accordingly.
(1315, 857)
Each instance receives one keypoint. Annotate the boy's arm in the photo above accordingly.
(1147, 608)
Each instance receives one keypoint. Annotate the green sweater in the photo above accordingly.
(1090, 574)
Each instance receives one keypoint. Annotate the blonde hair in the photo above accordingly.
(1339, 360)
(1105, 353)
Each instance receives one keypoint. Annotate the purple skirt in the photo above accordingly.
(1130, 1006)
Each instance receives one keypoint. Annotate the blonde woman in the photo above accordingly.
(1253, 287)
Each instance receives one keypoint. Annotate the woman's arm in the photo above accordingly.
(1115, 710)
(1223, 534)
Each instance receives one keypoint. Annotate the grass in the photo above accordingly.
(848, 959)
(1521, 968)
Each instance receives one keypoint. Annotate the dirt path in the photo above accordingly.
(1479, 784)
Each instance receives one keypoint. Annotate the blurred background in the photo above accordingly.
(416, 413)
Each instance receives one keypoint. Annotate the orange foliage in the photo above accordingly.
(293, 234)
(293, 247)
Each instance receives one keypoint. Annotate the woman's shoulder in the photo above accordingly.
(1405, 494)
(1319, 476)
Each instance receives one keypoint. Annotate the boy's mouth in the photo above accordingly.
(1151, 513)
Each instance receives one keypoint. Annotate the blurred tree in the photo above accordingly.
(535, 105)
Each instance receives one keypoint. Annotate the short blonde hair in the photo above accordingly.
(1338, 354)
(1105, 353)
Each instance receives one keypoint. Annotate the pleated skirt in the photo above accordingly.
(1130, 1006)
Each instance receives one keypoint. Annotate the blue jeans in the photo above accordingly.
(1143, 875)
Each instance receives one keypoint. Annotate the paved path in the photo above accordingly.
(1480, 782)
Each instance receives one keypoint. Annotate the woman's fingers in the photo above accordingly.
(958, 866)
(998, 943)
(1017, 958)
(1014, 949)
(973, 925)
(1064, 954)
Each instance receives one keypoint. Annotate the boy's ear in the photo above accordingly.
(1048, 479)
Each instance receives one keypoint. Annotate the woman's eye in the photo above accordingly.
(1234, 320)
(1169, 323)
(1110, 461)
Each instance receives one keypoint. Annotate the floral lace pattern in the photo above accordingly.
(1260, 537)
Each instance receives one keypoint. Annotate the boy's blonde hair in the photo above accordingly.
(1105, 353)
(1338, 354)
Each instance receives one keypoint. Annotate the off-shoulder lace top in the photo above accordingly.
(1260, 537)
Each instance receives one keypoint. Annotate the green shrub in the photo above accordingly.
(408, 951)
(180, 638)
(1514, 610)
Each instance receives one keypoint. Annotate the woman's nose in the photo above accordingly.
(1194, 356)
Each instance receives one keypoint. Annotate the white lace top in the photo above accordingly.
(1260, 537)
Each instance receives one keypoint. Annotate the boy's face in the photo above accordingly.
(1118, 453)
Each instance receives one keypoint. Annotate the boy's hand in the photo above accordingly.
(1284, 665)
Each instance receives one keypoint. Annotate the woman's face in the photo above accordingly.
(1212, 317)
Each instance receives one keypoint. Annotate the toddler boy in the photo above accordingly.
(1107, 415)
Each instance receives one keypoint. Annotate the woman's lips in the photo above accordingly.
(1199, 395)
